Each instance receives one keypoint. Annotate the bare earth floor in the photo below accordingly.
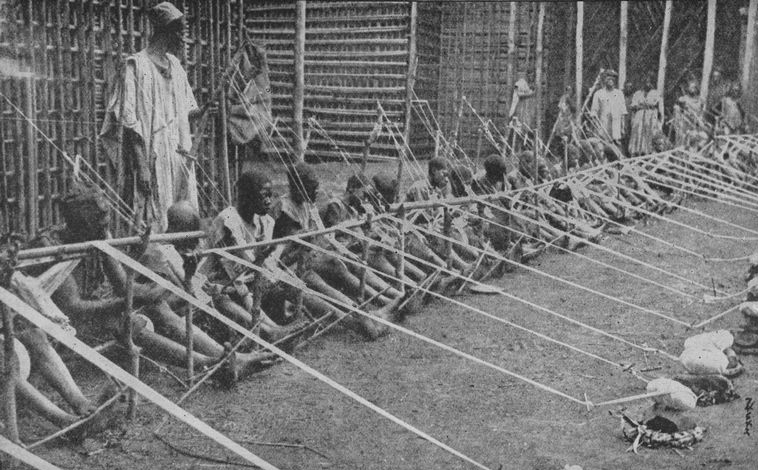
(491, 417)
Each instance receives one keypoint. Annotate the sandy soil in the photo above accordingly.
(493, 418)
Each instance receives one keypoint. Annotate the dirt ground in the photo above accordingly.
(497, 420)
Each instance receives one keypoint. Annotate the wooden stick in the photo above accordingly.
(400, 268)
(539, 58)
(579, 61)
(411, 78)
(509, 72)
(224, 111)
(364, 261)
(747, 61)
(32, 164)
(664, 49)
(623, 35)
(298, 94)
(10, 373)
(75, 425)
(446, 229)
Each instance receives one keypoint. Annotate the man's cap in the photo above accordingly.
(611, 73)
(164, 13)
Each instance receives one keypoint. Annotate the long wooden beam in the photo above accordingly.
(299, 91)
(539, 58)
(747, 61)
(710, 35)
(662, 60)
(623, 35)
(579, 60)
(509, 70)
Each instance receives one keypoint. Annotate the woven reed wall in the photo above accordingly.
(474, 63)
(474, 50)
(355, 54)
(73, 49)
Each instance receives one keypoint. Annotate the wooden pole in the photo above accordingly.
(400, 268)
(579, 60)
(511, 54)
(411, 77)
(10, 376)
(623, 35)
(747, 61)
(298, 95)
(538, 65)
(664, 49)
(364, 260)
(571, 23)
(225, 173)
(710, 35)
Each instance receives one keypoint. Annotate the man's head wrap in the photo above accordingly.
(163, 14)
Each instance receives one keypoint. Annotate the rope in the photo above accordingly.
(675, 222)
(120, 374)
(519, 299)
(562, 280)
(457, 302)
(593, 244)
(414, 334)
(601, 263)
(139, 268)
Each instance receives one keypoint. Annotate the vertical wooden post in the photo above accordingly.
(447, 226)
(664, 49)
(571, 23)
(299, 93)
(10, 373)
(31, 158)
(224, 110)
(710, 35)
(509, 77)
(411, 74)
(747, 61)
(400, 268)
(364, 260)
(538, 65)
(623, 35)
(127, 341)
(579, 61)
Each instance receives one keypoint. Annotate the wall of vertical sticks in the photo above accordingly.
(477, 59)
(60, 59)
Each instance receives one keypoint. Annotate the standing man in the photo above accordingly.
(152, 107)
(609, 110)
(717, 89)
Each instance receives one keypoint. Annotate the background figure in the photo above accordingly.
(608, 109)
(730, 117)
(717, 89)
(646, 111)
(522, 114)
(688, 113)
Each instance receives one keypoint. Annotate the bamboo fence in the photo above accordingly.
(355, 55)
(72, 51)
